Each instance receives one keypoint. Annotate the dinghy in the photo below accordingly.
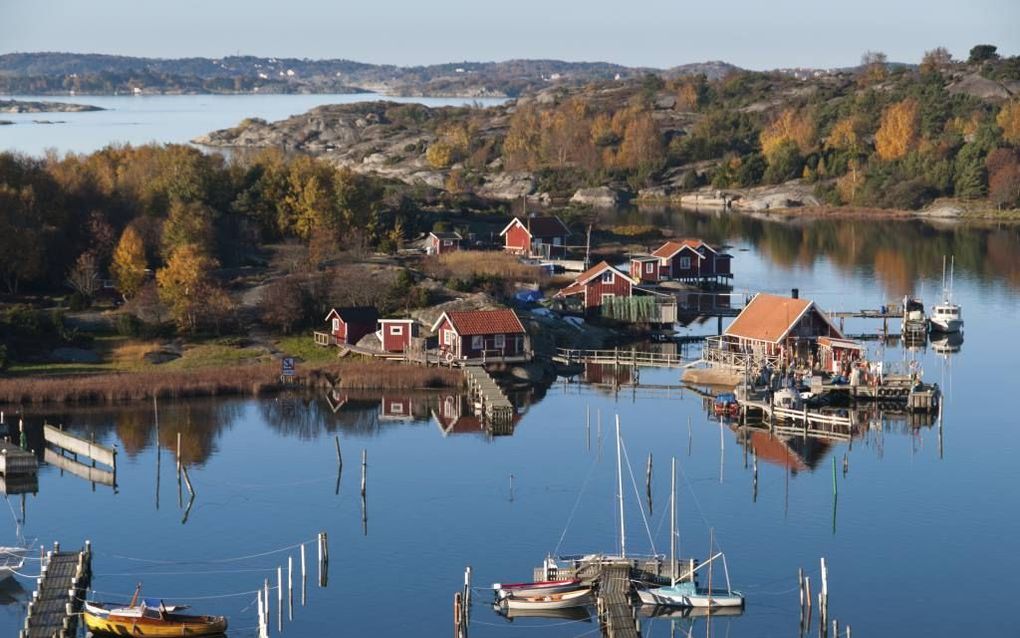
(561, 600)
(148, 618)
(543, 588)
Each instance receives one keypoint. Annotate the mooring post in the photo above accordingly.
(304, 577)
(364, 471)
(265, 595)
(279, 599)
(290, 588)
(467, 586)
(511, 487)
(339, 457)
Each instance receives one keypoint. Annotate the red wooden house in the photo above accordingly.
(348, 325)
(395, 334)
(687, 259)
(440, 243)
(597, 284)
(536, 237)
(481, 334)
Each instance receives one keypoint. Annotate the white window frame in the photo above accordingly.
(477, 342)
(448, 337)
(336, 324)
(447, 242)
(685, 263)
(396, 407)
(499, 342)
(608, 276)
(396, 330)
(649, 267)
(606, 295)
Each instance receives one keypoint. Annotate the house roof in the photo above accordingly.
(396, 321)
(644, 258)
(593, 272)
(446, 235)
(540, 226)
(355, 314)
(770, 318)
(482, 322)
(670, 248)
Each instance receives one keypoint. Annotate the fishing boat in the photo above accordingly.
(542, 588)
(561, 600)
(688, 593)
(148, 617)
(726, 404)
(914, 319)
(947, 316)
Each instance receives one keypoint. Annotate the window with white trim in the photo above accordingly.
(650, 267)
(448, 337)
(396, 329)
(477, 342)
(447, 242)
(607, 277)
(499, 342)
(336, 324)
(685, 263)
(606, 296)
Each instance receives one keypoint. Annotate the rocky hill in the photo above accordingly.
(41, 73)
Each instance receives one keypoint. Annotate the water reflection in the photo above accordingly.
(897, 253)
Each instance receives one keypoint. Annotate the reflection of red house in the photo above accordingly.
(597, 284)
(395, 409)
(608, 374)
(348, 325)
(480, 334)
(453, 416)
(683, 260)
(536, 237)
(395, 334)
(439, 243)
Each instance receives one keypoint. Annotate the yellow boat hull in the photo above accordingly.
(117, 626)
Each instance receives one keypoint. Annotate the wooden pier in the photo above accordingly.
(495, 406)
(619, 357)
(15, 461)
(57, 602)
(616, 612)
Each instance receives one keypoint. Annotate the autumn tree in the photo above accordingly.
(898, 133)
(83, 278)
(873, 67)
(936, 59)
(1008, 120)
(186, 286)
(523, 138)
(1003, 177)
(187, 223)
(283, 304)
(129, 264)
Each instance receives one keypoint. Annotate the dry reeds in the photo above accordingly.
(221, 381)
(466, 264)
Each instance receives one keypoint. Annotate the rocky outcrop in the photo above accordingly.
(17, 106)
(598, 197)
(980, 87)
(507, 186)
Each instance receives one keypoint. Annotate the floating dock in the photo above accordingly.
(57, 602)
(15, 461)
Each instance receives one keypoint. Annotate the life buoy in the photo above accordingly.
(449, 357)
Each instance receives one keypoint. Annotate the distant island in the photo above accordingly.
(19, 106)
(94, 74)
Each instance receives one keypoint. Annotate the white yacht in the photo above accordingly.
(947, 316)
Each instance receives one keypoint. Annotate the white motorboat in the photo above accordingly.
(561, 600)
(11, 560)
(947, 316)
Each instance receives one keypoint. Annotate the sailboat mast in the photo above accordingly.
(619, 490)
(672, 526)
(952, 268)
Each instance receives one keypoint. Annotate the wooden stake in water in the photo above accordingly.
(511, 488)
(304, 577)
(279, 599)
(265, 596)
(648, 482)
(364, 471)
(290, 588)
(587, 427)
(690, 436)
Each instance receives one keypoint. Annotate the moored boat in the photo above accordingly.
(148, 619)
(542, 588)
(947, 316)
(560, 600)
(687, 594)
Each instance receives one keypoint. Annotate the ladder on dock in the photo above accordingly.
(57, 603)
(495, 406)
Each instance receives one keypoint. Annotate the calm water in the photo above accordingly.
(913, 530)
(162, 118)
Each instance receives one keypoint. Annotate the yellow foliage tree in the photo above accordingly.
(186, 286)
(523, 138)
(898, 133)
(128, 267)
(1009, 121)
(790, 125)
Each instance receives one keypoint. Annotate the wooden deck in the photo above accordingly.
(495, 406)
(15, 461)
(56, 604)
(619, 357)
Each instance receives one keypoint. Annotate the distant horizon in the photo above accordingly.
(719, 60)
(643, 33)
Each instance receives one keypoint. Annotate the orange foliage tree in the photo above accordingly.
(1009, 121)
(898, 133)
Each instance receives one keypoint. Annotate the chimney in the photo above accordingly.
(795, 293)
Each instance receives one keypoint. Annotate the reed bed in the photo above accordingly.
(239, 380)
(465, 264)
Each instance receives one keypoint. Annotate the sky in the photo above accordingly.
(754, 34)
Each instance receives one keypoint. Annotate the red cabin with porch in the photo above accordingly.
(395, 334)
(646, 268)
(536, 237)
(348, 325)
(691, 259)
(597, 284)
(440, 243)
(481, 334)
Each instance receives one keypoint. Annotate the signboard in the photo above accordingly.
(287, 366)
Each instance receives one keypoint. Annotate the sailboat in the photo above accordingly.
(946, 316)
(688, 593)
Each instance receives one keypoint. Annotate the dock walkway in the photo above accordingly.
(57, 603)
(495, 405)
(619, 357)
(616, 612)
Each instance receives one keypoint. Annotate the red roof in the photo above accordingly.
(590, 274)
(482, 322)
(671, 248)
(770, 318)
(541, 227)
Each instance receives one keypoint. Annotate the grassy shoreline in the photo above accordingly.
(239, 380)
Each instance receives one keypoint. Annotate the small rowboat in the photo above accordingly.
(541, 588)
(160, 621)
(561, 600)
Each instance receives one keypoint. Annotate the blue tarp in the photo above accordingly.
(528, 296)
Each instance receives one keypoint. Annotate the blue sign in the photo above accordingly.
(288, 366)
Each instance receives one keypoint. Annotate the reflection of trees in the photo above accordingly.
(310, 417)
(199, 423)
(898, 252)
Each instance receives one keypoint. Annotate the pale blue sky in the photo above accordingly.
(754, 34)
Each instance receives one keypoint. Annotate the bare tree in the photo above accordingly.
(83, 277)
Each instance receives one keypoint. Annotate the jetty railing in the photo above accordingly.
(715, 352)
(617, 356)
(324, 339)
